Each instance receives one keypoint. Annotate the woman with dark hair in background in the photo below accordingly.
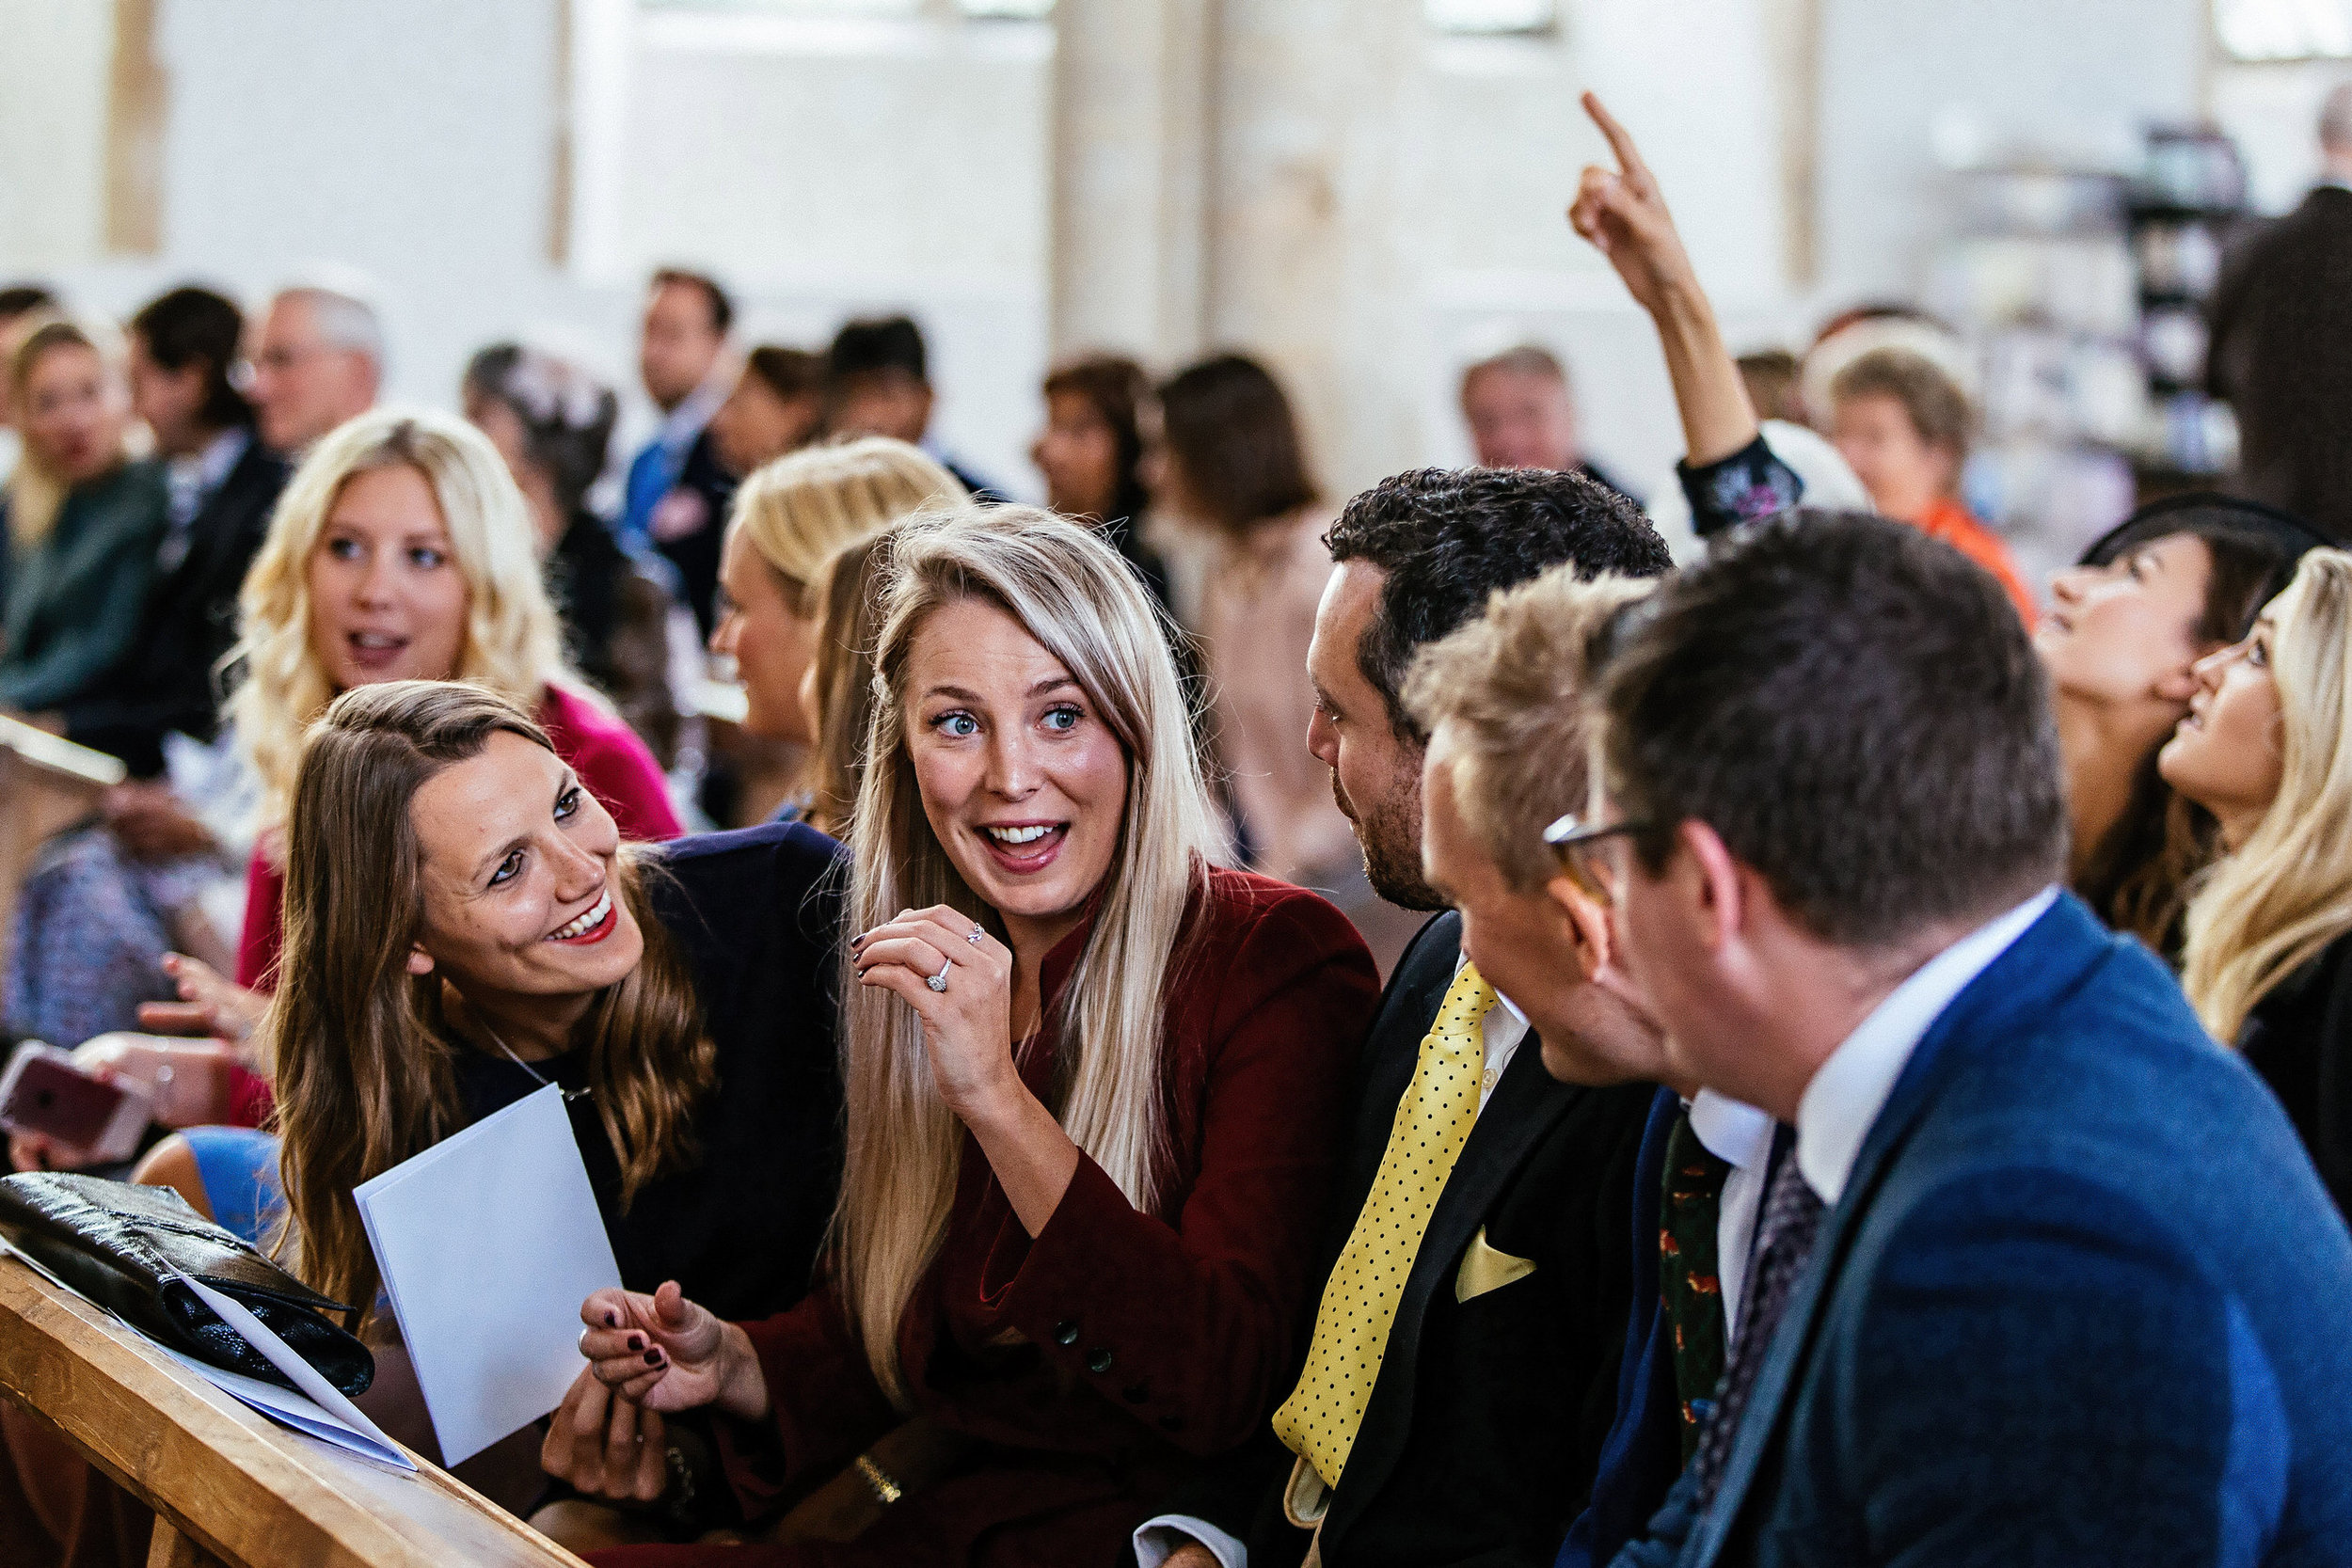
(1091, 454)
(2174, 582)
(1234, 466)
(552, 421)
(778, 406)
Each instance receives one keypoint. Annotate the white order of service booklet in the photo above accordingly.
(488, 1241)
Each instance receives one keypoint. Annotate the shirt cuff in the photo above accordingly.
(1156, 1540)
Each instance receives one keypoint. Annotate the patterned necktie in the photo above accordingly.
(1688, 1204)
(1783, 1240)
(1320, 1419)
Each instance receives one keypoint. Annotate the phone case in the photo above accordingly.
(44, 1092)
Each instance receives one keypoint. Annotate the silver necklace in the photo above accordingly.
(569, 1095)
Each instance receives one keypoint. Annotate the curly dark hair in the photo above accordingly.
(1449, 538)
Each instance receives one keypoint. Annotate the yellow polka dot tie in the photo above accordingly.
(1320, 1419)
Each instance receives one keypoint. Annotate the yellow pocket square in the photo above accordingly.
(1485, 1269)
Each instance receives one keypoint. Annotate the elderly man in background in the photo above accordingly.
(1521, 414)
(317, 361)
(2281, 347)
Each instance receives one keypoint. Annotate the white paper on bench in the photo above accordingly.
(487, 1242)
(324, 1397)
(279, 1404)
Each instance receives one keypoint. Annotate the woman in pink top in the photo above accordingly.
(402, 550)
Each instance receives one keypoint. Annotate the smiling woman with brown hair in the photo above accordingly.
(465, 925)
(1093, 1092)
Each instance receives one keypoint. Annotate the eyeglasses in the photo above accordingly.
(1591, 854)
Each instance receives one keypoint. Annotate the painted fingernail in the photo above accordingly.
(652, 1358)
(636, 1341)
(612, 1319)
(857, 941)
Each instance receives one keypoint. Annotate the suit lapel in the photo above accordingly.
(1525, 1106)
(2049, 958)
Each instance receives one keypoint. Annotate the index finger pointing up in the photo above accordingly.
(1620, 141)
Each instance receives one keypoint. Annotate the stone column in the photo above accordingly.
(1317, 247)
(1131, 115)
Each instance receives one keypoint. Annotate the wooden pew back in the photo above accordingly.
(226, 1484)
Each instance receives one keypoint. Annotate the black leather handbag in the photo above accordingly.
(132, 1250)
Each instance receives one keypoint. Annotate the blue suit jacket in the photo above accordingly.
(1643, 1453)
(2083, 1300)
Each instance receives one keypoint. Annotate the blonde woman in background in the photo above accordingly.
(1093, 1086)
(83, 520)
(2267, 749)
(791, 518)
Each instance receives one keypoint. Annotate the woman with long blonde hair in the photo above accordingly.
(796, 628)
(1093, 1087)
(2266, 748)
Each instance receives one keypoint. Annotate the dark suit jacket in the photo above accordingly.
(703, 496)
(164, 680)
(1485, 1427)
(1643, 1454)
(2083, 1300)
(2300, 1038)
(2282, 352)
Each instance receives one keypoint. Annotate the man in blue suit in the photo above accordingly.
(2052, 1277)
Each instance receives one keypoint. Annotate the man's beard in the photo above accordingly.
(1389, 836)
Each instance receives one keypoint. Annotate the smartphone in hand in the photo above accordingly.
(43, 1091)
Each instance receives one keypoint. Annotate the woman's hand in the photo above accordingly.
(967, 1034)
(151, 823)
(967, 1028)
(668, 1354)
(605, 1447)
(1625, 216)
(209, 1003)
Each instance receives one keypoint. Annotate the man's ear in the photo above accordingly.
(419, 962)
(1713, 872)
(1587, 923)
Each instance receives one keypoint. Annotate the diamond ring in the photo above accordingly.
(978, 932)
(938, 981)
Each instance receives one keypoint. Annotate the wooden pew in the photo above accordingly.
(228, 1485)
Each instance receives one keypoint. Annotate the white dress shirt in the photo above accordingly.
(1849, 1090)
(1739, 1136)
(1501, 1030)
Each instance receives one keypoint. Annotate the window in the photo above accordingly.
(2285, 29)
(1025, 10)
(1490, 16)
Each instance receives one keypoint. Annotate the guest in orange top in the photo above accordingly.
(1903, 426)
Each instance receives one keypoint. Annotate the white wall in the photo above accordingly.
(828, 168)
(415, 143)
(2074, 78)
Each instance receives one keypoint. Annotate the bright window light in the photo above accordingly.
(1490, 16)
(2285, 29)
